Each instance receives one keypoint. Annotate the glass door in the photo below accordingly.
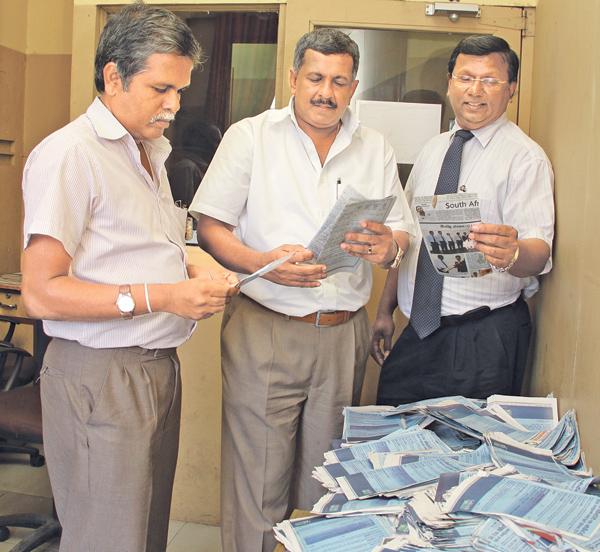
(404, 51)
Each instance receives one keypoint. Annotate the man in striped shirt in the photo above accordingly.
(105, 267)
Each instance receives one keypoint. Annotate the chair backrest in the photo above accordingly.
(21, 414)
(6, 340)
(6, 351)
(10, 330)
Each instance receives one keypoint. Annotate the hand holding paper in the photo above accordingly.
(264, 270)
(200, 297)
(349, 216)
(374, 244)
(292, 270)
(498, 242)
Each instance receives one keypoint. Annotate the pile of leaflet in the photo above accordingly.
(453, 474)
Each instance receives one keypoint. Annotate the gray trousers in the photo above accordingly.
(111, 435)
(285, 384)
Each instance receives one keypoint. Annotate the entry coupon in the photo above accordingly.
(445, 222)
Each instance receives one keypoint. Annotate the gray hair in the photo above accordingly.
(327, 41)
(135, 33)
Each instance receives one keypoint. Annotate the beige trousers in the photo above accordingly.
(111, 434)
(285, 383)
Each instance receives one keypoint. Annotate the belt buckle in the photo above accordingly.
(318, 319)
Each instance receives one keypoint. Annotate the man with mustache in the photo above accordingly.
(294, 343)
(470, 336)
(105, 266)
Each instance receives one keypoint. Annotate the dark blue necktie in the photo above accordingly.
(426, 307)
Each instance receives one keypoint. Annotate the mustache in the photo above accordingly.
(166, 116)
(328, 102)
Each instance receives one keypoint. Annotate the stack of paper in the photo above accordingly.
(568, 514)
(500, 476)
(369, 423)
(338, 534)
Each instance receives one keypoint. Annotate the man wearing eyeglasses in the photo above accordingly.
(473, 339)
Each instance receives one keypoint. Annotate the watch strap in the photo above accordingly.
(125, 290)
(399, 255)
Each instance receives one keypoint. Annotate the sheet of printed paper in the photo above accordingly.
(535, 504)
(349, 211)
(538, 413)
(535, 462)
(264, 270)
(445, 222)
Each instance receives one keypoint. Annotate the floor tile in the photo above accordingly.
(15, 503)
(174, 527)
(17, 476)
(27, 489)
(193, 537)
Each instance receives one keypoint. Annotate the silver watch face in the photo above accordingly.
(125, 303)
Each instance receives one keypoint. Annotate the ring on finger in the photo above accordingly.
(370, 250)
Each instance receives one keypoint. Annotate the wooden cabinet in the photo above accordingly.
(12, 84)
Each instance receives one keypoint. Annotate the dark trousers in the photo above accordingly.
(472, 355)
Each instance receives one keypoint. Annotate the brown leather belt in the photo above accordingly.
(320, 319)
(325, 318)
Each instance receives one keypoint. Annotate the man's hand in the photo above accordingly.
(294, 272)
(203, 296)
(383, 330)
(377, 246)
(498, 242)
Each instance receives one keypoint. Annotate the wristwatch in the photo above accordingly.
(125, 302)
(399, 254)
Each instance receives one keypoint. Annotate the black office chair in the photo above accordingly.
(21, 422)
(15, 370)
(17, 424)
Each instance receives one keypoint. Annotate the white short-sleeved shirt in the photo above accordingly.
(85, 186)
(266, 179)
(514, 181)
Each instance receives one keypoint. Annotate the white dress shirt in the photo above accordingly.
(514, 181)
(266, 179)
(85, 186)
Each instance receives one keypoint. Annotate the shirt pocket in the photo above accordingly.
(176, 225)
(489, 209)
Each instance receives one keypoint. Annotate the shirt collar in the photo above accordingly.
(486, 133)
(108, 127)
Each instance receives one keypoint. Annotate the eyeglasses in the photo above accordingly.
(466, 81)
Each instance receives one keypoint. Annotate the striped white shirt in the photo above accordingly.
(514, 181)
(266, 179)
(85, 186)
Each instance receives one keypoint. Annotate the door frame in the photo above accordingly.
(296, 17)
(514, 24)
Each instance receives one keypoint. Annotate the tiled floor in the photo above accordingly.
(27, 489)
